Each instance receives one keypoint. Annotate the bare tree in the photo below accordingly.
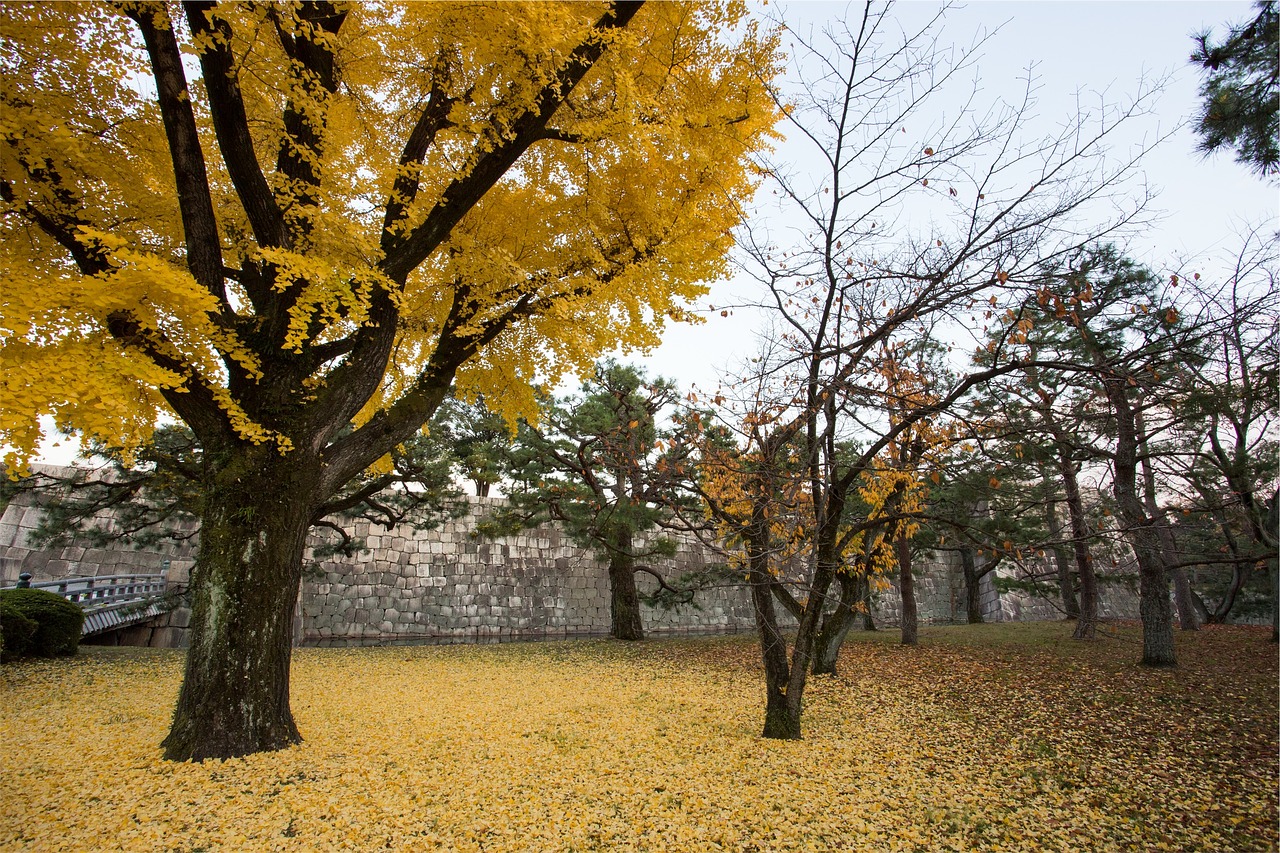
(850, 283)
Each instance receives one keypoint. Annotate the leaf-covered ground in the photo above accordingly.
(984, 738)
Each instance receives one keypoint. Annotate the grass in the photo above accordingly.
(995, 737)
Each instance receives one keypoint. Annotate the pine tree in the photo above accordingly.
(1242, 91)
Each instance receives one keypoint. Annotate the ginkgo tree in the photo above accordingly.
(294, 227)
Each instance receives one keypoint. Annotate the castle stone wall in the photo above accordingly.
(447, 585)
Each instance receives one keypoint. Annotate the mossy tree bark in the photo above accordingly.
(244, 588)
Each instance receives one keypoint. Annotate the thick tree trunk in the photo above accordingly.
(972, 587)
(907, 587)
(1154, 606)
(235, 691)
(624, 597)
(836, 626)
(1087, 620)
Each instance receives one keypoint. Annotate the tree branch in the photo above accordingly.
(200, 227)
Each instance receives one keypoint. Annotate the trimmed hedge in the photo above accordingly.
(58, 622)
(16, 631)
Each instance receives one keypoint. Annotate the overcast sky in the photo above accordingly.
(1073, 47)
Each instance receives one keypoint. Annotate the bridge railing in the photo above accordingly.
(92, 593)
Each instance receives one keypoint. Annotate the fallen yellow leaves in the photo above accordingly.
(1035, 743)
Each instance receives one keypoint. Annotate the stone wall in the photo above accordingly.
(446, 585)
(173, 558)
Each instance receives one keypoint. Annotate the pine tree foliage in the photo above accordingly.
(613, 466)
(1241, 91)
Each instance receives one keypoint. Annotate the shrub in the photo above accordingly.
(16, 631)
(58, 621)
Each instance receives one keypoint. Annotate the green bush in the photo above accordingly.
(16, 631)
(58, 621)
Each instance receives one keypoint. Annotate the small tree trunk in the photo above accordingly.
(1070, 606)
(624, 597)
(1188, 615)
(972, 586)
(1275, 600)
(864, 602)
(1202, 612)
(910, 627)
(1087, 621)
(1188, 619)
(234, 698)
(1239, 572)
(781, 720)
(835, 627)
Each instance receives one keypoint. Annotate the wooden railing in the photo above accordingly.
(92, 593)
(110, 601)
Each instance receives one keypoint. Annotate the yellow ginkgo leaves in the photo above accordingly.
(985, 738)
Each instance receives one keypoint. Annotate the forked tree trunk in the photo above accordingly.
(907, 584)
(234, 698)
(624, 597)
(1140, 530)
(781, 716)
(836, 626)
